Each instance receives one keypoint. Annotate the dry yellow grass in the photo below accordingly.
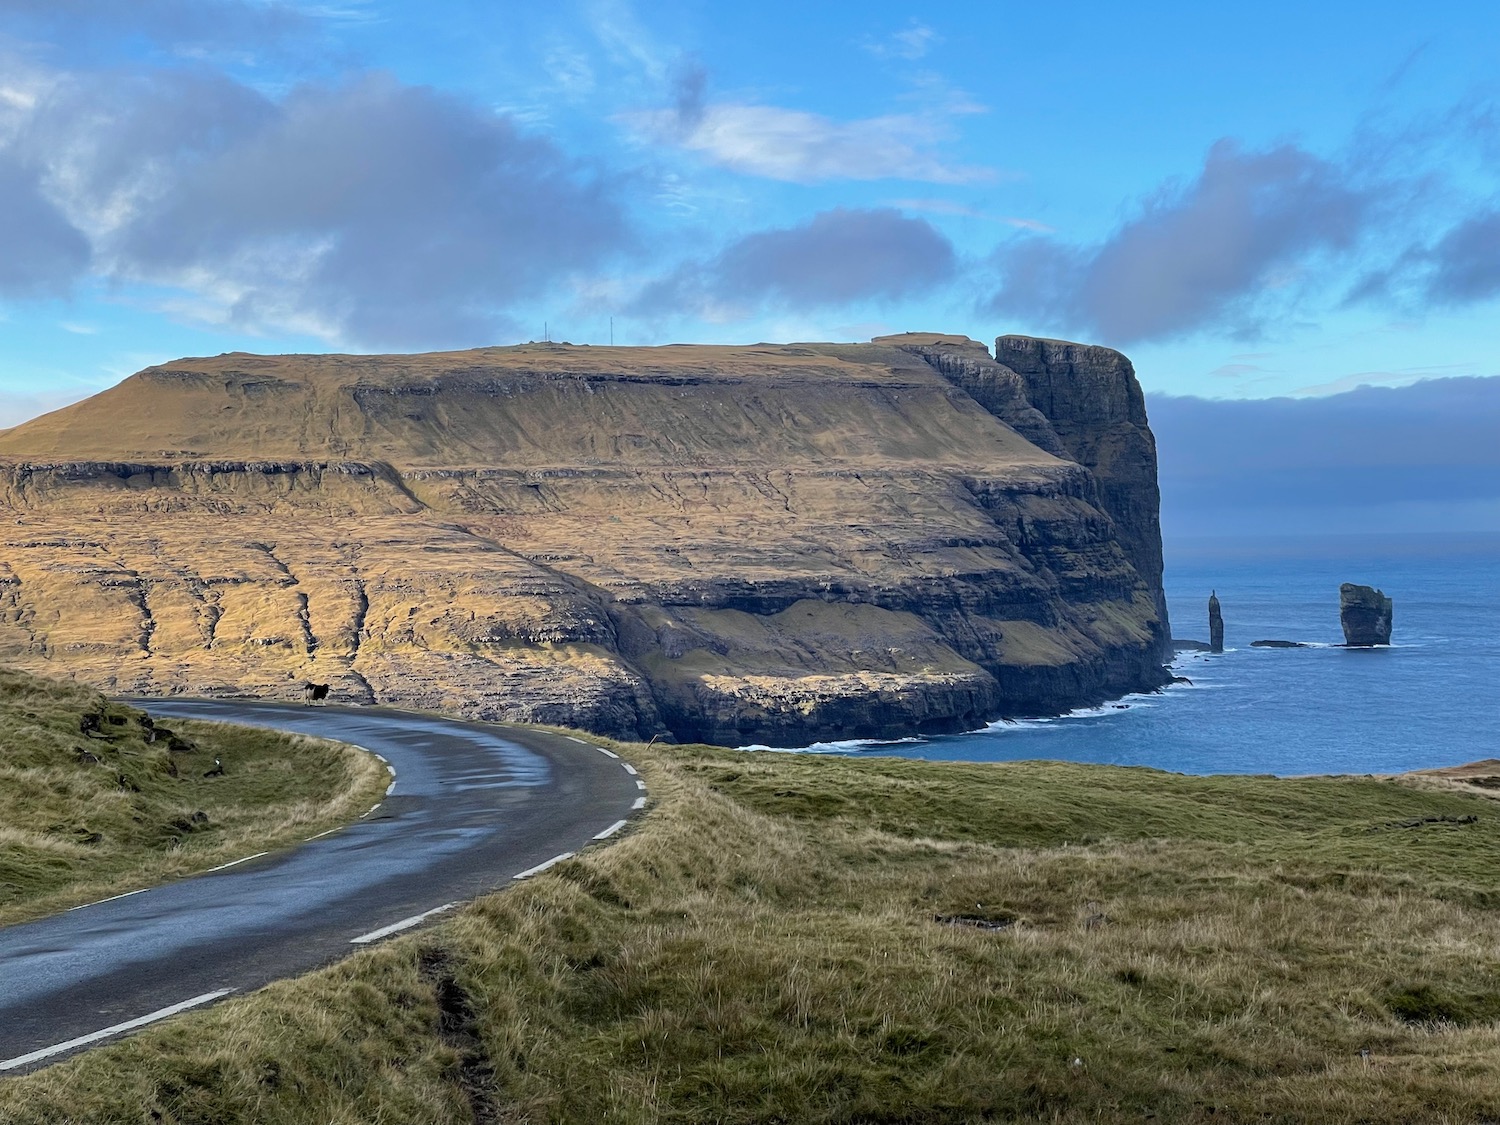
(764, 947)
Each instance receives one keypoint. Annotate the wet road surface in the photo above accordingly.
(473, 806)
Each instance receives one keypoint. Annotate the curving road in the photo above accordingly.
(472, 807)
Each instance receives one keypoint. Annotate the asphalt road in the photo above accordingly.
(473, 806)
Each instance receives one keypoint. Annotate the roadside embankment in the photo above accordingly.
(97, 799)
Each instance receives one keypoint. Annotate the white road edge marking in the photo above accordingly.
(640, 803)
(373, 807)
(611, 830)
(606, 753)
(580, 741)
(130, 1025)
(397, 927)
(320, 835)
(111, 898)
(237, 862)
(628, 768)
(391, 788)
(539, 868)
(639, 784)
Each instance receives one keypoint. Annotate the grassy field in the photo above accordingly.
(95, 799)
(805, 939)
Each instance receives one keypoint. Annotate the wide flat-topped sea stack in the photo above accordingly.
(737, 544)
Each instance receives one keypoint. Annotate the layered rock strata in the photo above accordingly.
(740, 544)
(1365, 614)
(1095, 404)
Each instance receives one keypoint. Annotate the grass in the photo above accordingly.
(96, 799)
(794, 939)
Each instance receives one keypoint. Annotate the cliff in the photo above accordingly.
(733, 544)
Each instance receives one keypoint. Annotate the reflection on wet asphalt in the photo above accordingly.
(471, 806)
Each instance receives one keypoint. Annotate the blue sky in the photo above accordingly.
(1250, 200)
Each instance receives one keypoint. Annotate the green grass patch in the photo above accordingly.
(801, 939)
(96, 798)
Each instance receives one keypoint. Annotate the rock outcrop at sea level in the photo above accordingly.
(734, 544)
(1365, 614)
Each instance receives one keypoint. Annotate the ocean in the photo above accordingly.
(1431, 699)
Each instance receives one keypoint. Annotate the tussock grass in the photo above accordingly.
(765, 946)
(96, 799)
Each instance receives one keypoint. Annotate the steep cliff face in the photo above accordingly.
(730, 544)
(1096, 407)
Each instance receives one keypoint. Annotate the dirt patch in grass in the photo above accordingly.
(798, 942)
(96, 798)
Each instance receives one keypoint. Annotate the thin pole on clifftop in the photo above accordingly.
(611, 331)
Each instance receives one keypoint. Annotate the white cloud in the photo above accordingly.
(572, 72)
(800, 147)
(625, 39)
(912, 42)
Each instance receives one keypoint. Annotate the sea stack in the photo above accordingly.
(1215, 624)
(1365, 614)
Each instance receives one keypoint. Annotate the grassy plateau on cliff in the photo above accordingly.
(815, 939)
(95, 799)
(728, 544)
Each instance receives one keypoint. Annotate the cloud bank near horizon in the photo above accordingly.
(1420, 458)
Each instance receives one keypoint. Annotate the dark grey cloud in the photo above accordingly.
(381, 213)
(1194, 255)
(837, 257)
(113, 141)
(1464, 266)
(689, 94)
(1413, 458)
(428, 214)
(41, 252)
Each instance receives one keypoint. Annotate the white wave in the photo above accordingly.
(843, 746)
(1137, 701)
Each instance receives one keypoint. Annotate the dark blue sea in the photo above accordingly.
(1431, 699)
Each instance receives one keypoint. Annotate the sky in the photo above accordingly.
(1252, 201)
